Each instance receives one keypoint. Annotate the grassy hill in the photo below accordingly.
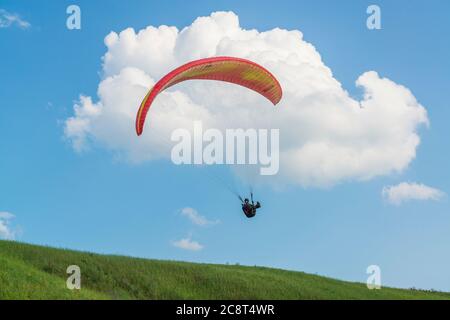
(36, 272)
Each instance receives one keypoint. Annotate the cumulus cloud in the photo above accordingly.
(188, 244)
(326, 135)
(8, 19)
(196, 218)
(411, 191)
(5, 230)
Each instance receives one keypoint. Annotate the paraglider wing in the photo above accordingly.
(234, 70)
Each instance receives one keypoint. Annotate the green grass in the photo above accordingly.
(36, 272)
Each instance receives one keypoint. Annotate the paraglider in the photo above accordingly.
(238, 71)
(249, 208)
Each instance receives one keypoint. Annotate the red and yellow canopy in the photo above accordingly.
(234, 70)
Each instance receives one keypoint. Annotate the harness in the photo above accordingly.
(249, 210)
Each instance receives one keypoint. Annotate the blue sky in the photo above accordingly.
(91, 201)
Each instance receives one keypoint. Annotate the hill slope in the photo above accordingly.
(35, 272)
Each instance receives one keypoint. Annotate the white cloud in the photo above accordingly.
(326, 135)
(8, 19)
(411, 191)
(5, 230)
(196, 218)
(188, 244)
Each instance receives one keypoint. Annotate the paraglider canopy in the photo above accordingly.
(229, 69)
